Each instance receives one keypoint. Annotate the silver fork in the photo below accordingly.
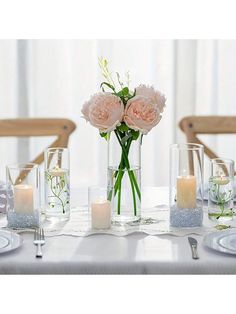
(39, 240)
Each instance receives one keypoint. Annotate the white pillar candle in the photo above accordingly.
(101, 214)
(186, 192)
(23, 199)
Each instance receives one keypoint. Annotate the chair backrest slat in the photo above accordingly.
(62, 128)
(209, 124)
(193, 125)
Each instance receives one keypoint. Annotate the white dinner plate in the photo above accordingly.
(222, 241)
(9, 241)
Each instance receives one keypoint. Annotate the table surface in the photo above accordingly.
(107, 254)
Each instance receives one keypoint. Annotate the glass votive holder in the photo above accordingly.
(221, 190)
(99, 207)
(23, 195)
(186, 185)
(57, 184)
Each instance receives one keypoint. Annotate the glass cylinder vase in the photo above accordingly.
(186, 185)
(124, 177)
(57, 184)
(23, 195)
(221, 190)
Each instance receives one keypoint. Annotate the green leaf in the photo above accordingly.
(125, 91)
(62, 184)
(135, 134)
(105, 135)
(222, 227)
(108, 85)
(123, 127)
(119, 94)
(125, 138)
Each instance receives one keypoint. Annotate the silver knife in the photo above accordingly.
(193, 244)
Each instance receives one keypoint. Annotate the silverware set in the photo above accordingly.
(39, 241)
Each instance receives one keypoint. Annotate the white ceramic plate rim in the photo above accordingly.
(216, 236)
(226, 236)
(15, 241)
(7, 241)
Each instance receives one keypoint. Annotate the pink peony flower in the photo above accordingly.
(85, 110)
(141, 114)
(104, 111)
(155, 96)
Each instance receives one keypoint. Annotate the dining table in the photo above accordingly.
(136, 253)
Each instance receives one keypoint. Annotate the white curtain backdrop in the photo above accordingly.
(53, 78)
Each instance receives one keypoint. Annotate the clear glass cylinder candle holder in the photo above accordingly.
(221, 190)
(57, 183)
(186, 185)
(99, 207)
(23, 195)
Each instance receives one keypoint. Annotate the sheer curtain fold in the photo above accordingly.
(53, 78)
(8, 99)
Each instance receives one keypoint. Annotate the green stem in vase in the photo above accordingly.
(119, 198)
(222, 208)
(126, 160)
(117, 186)
(118, 175)
(134, 198)
(133, 182)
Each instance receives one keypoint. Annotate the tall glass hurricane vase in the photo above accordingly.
(124, 177)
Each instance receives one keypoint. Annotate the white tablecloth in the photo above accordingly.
(107, 254)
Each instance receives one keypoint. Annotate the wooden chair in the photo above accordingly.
(62, 128)
(194, 125)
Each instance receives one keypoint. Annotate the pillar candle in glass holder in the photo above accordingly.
(186, 192)
(186, 185)
(23, 199)
(101, 214)
(23, 195)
